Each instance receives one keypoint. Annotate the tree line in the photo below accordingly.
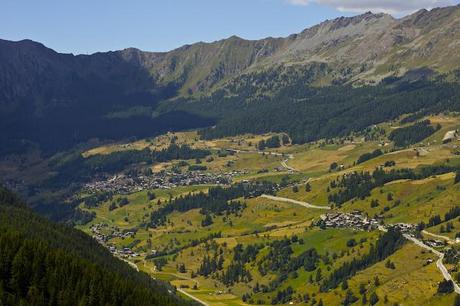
(216, 201)
(412, 134)
(368, 156)
(360, 184)
(72, 168)
(387, 244)
(309, 114)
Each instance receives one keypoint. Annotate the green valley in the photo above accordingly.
(273, 247)
(318, 168)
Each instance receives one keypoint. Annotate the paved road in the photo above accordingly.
(283, 162)
(439, 263)
(132, 264)
(180, 289)
(193, 297)
(285, 165)
(304, 204)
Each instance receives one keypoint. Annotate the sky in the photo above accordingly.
(88, 26)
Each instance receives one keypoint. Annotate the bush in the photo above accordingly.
(197, 168)
(446, 286)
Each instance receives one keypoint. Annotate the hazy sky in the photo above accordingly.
(87, 26)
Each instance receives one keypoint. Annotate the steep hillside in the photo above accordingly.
(301, 224)
(47, 264)
(59, 100)
(360, 49)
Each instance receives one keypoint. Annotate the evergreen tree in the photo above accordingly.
(374, 299)
(349, 299)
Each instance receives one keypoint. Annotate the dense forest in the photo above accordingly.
(309, 114)
(272, 142)
(278, 259)
(175, 151)
(42, 263)
(406, 136)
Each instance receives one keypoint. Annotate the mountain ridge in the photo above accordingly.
(52, 95)
(364, 43)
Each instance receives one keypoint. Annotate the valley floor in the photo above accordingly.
(249, 256)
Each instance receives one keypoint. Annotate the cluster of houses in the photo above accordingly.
(127, 183)
(124, 252)
(435, 243)
(18, 186)
(102, 234)
(405, 228)
(355, 220)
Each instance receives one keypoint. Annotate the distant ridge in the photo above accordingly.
(60, 95)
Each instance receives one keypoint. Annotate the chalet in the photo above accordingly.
(450, 136)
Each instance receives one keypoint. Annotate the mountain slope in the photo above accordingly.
(59, 100)
(362, 48)
(48, 264)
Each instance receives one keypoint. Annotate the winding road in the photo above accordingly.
(180, 289)
(304, 204)
(449, 241)
(283, 162)
(439, 262)
(193, 297)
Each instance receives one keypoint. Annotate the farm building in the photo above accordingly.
(450, 136)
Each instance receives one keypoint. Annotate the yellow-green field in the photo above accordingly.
(413, 280)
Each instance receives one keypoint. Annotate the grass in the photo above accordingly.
(138, 206)
(413, 282)
(419, 200)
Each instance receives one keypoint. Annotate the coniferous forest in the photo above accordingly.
(308, 114)
(319, 168)
(42, 263)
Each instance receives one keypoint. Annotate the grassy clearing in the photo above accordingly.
(419, 200)
(411, 283)
(138, 208)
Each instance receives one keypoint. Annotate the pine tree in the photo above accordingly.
(374, 299)
(350, 298)
(376, 281)
(318, 275)
(364, 299)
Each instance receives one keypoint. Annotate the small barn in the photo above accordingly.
(450, 136)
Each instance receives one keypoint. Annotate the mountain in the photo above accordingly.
(48, 264)
(59, 100)
(362, 49)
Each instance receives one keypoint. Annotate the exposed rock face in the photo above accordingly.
(37, 82)
(369, 46)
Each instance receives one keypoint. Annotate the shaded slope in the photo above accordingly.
(48, 264)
